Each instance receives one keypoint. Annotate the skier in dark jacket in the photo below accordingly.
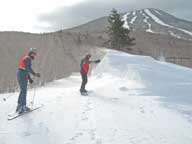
(84, 69)
(23, 75)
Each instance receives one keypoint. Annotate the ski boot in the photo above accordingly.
(23, 109)
(84, 92)
(26, 109)
(18, 108)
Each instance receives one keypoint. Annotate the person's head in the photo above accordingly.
(88, 56)
(32, 53)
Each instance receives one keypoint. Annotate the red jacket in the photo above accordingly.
(22, 62)
(84, 66)
(25, 64)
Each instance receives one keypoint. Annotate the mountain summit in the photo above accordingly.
(158, 21)
(147, 20)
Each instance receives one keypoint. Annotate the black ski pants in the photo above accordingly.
(84, 81)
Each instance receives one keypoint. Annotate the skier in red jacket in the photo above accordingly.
(23, 75)
(84, 69)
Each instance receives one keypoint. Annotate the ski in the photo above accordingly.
(16, 115)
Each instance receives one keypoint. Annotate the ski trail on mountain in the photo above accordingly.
(157, 20)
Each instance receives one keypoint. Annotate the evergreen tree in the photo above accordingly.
(118, 35)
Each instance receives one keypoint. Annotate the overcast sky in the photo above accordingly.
(51, 15)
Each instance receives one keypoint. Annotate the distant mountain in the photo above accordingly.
(146, 20)
(158, 21)
(158, 34)
(97, 25)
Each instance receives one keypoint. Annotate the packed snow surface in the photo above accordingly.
(132, 100)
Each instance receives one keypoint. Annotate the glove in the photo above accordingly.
(37, 74)
(97, 61)
(31, 81)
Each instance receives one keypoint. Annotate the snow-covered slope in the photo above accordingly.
(158, 21)
(145, 20)
(133, 100)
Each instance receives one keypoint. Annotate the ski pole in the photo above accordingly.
(34, 92)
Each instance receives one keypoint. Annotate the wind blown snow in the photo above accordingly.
(132, 100)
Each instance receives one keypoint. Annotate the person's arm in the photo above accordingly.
(28, 66)
(89, 62)
(96, 61)
(30, 79)
(81, 64)
(29, 69)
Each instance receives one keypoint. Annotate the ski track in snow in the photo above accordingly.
(126, 25)
(157, 12)
(133, 19)
(149, 25)
(157, 20)
(121, 108)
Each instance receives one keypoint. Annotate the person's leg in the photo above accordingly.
(84, 82)
(20, 94)
(24, 92)
(22, 80)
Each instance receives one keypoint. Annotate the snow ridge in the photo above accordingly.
(157, 20)
(157, 12)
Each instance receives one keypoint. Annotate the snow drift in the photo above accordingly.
(132, 100)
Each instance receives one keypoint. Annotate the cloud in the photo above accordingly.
(66, 17)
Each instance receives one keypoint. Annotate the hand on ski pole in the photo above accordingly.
(30, 81)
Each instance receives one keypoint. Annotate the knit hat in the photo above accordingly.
(32, 51)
